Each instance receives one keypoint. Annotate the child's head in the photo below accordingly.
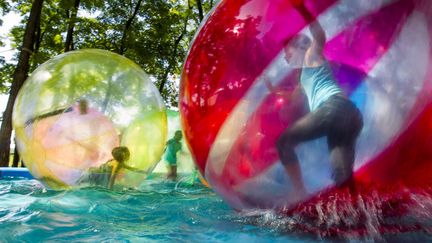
(121, 154)
(295, 49)
(178, 135)
(83, 106)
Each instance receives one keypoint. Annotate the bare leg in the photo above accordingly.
(294, 172)
(172, 172)
(307, 128)
(342, 161)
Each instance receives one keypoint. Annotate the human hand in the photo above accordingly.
(300, 6)
(138, 171)
(297, 3)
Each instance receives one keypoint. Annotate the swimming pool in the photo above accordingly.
(162, 211)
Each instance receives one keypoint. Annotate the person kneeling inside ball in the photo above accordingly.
(331, 114)
(107, 173)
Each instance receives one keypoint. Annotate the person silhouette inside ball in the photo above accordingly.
(106, 174)
(173, 146)
(82, 108)
(331, 113)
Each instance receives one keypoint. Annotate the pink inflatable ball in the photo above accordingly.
(380, 55)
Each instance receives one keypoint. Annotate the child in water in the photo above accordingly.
(172, 147)
(107, 173)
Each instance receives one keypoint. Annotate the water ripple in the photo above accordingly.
(165, 211)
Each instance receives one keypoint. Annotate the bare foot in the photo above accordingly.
(300, 193)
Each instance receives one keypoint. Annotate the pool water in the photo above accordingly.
(164, 211)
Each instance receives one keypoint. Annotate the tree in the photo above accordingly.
(151, 33)
(4, 9)
(5, 68)
(72, 19)
(200, 10)
(155, 34)
(172, 58)
(128, 26)
(19, 77)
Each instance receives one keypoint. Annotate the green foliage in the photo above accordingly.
(157, 37)
(4, 9)
(6, 71)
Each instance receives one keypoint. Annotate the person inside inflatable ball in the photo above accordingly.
(331, 114)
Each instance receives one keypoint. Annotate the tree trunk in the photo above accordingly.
(19, 77)
(127, 27)
(37, 42)
(200, 10)
(16, 157)
(72, 20)
(173, 57)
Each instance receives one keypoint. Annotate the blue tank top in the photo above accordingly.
(319, 84)
(172, 147)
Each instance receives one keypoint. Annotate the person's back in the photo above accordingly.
(173, 146)
(319, 84)
(106, 174)
(99, 176)
(121, 155)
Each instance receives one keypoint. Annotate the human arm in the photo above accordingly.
(127, 167)
(182, 151)
(269, 85)
(314, 55)
(46, 115)
(114, 171)
(286, 92)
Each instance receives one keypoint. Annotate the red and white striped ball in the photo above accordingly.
(380, 52)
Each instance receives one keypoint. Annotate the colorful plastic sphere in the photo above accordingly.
(381, 56)
(77, 107)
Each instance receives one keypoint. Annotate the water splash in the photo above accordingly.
(168, 211)
(370, 215)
